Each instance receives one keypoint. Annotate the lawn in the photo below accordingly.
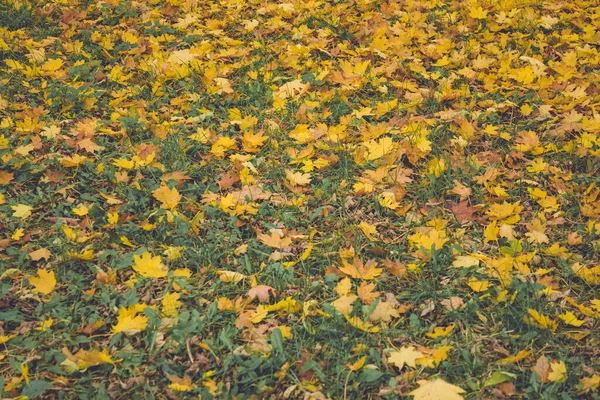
(308, 199)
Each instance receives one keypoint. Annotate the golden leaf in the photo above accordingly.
(407, 355)
(275, 239)
(40, 253)
(558, 371)
(438, 390)
(359, 270)
(92, 358)
(129, 322)
(22, 211)
(169, 197)
(45, 282)
(149, 266)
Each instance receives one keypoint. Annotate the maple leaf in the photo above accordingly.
(570, 319)
(169, 197)
(384, 311)
(343, 287)
(540, 320)
(276, 239)
(230, 276)
(148, 266)
(359, 270)
(6, 177)
(506, 212)
(462, 211)
(180, 384)
(440, 332)
(558, 371)
(589, 383)
(542, 369)
(365, 292)
(396, 268)
(92, 358)
(297, 178)
(40, 253)
(407, 355)
(368, 230)
(129, 322)
(89, 145)
(22, 211)
(170, 304)
(261, 292)
(45, 282)
(345, 303)
(437, 389)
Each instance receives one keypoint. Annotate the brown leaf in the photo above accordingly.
(396, 268)
(228, 180)
(39, 254)
(6, 177)
(275, 239)
(261, 292)
(542, 369)
(462, 211)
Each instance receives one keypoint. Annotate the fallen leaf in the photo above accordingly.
(437, 390)
(45, 282)
(407, 355)
(148, 266)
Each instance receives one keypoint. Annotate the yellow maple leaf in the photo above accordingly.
(388, 200)
(433, 239)
(368, 230)
(359, 270)
(92, 358)
(169, 197)
(129, 322)
(507, 213)
(45, 325)
(230, 276)
(435, 357)
(490, 233)
(276, 239)
(123, 163)
(21, 211)
(170, 304)
(440, 332)
(343, 287)
(570, 319)
(558, 371)
(540, 320)
(521, 355)
(149, 266)
(438, 390)
(45, 282)
(18, 234)
(252, 142)
(479, 286)
(362, 325)
(6, 338)
(297, 178)
(345, 303)
(40, 253)
(180, 384)
(81, 210)
(477, 12)
(407, 355)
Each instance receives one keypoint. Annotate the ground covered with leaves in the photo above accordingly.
(304, 199)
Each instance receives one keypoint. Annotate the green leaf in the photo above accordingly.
(277, 340)
(369, 375)
(36, 388)
(499, 377)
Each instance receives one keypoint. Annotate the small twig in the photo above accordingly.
(346, 384)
